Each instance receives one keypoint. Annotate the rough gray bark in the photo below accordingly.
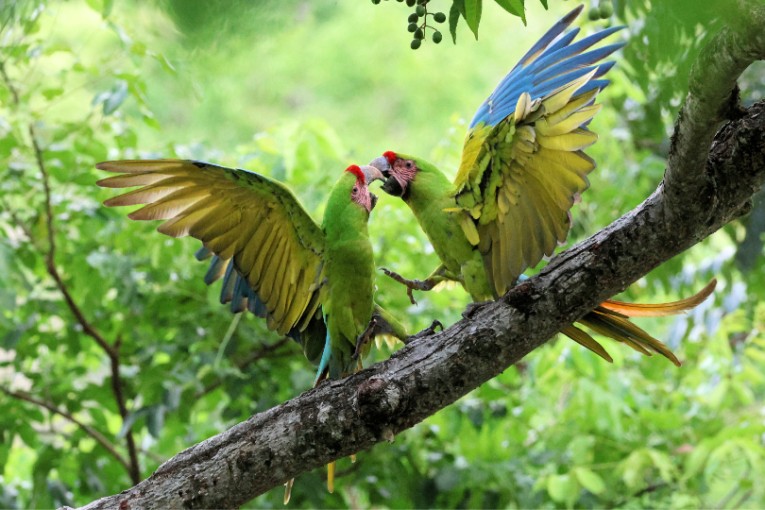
(705, 187)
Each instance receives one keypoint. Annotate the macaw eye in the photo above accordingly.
(409, 164)
(355, 189)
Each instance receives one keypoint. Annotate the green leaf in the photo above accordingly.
(696, 460)
(590, 480)
(107, 8)
(544, 3)
(514, 7)
(115, 97)
(457, 8)
(563, 489)
(166, 64)
(155, 420)
(473, 15)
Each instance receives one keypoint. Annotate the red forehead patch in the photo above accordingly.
(390, 156)
(355, 170)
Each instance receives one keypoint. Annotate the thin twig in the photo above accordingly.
(93, 433)
(111, 350)
(10, 86)
(19, 223)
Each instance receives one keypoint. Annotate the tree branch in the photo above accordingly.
(705, 187)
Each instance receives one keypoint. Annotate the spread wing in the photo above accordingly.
(239, 216)
(523, 163)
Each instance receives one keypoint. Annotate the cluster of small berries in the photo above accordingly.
(603, 10)
(418, 22)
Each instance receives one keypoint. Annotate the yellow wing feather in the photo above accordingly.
(236, 214)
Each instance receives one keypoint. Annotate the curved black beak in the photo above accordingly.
(382, 165)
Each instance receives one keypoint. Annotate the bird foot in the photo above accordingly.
(430, 330)
(411, 285)
(365, 337)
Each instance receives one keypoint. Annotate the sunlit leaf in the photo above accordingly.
(590, 480)
(514, 7)
(473, 15)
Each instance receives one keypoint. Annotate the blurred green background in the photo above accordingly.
(298, 89)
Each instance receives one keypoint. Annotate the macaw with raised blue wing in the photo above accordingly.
(523, 167)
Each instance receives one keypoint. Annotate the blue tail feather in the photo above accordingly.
(324, 362)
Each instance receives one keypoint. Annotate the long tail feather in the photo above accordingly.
(585, 340)
(612, 319)
(659, 309)
(331, 477)
(622, 330)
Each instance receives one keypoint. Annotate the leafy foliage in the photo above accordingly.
(470, 11)
(561, 429)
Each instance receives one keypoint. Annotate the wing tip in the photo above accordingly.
(572, 15)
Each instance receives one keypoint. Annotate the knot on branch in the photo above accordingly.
(378, 400)
(522, 298)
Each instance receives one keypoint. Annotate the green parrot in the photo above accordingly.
(314, 284)
(522, 169)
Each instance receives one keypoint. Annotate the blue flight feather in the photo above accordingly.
(553, 56)
(227, 288)
(551, 62)
(203, 253)
(585, 59)
(215, 269)
(550, 35)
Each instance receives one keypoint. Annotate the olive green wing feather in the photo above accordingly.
(238, 215)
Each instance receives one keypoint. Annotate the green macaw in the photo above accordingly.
(522, 169)
(314, 284)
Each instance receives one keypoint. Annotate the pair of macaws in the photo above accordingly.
(522, 169)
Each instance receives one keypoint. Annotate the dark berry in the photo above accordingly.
(412, 27)
(421, 10)
(419, 34)
(413, 18)
(415, 44)
(437, 37)
(440, 17)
